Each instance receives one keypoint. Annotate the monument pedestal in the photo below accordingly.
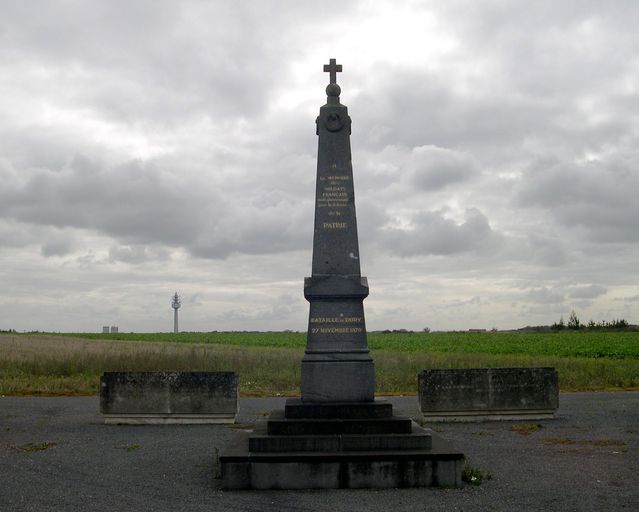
(337, 366)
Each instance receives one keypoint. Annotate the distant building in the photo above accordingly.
(476, 330)
(114, 329)
(105, 329)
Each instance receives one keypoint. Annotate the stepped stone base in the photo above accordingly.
(339, 445)
(440, 466)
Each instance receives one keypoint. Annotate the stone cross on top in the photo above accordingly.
(333, 69)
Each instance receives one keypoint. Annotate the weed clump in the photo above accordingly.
(474, 476)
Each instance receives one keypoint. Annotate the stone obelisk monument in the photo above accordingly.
(337, 366)
(336, 434)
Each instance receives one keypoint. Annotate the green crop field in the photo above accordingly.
(269, 363)
(616, 345)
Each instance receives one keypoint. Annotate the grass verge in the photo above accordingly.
(56, 365)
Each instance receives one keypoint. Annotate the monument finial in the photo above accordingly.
(333, 68)
(333, 90)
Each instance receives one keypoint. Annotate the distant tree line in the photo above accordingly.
(575, 324)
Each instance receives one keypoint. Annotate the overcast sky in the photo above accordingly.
(154, 146)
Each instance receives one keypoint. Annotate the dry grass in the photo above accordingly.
(525, 429)
(56, 365)
(34, 447)
(52, 365)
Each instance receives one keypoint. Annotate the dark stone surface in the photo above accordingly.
(418, 439)
(340, 443)
(279, 425)
(337, 366)
(295, 408)
(337, 376)
(335, 244)
(266, 443)
(123, 393)
(499, 390)
(349, 287)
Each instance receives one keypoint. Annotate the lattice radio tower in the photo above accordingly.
(175, 304)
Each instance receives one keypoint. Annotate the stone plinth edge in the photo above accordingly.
(168, 419)
(470, 416)
(335, 286)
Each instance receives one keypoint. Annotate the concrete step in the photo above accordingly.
(418, 439)
(279, 425)
(296, 409)
(339, 443)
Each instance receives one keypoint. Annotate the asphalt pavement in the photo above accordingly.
(56, 454)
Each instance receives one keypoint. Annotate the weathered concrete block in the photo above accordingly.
(294, 475)
(488, 393)
(169, 397)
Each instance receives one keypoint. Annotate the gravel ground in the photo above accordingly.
(586, 459)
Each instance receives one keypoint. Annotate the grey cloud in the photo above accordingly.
(549, 254)
(35, 147)
(217, 100)
(432, 168)
(281, 307)
(17, 235)
(370, 221)
(50, 241)
(587, 292)
(194, 299)
(134, 201)
(264, 230)
(57, 247)
(511, 89)
(558, 55)
(161, 60)
(549, 312)
(545, 295)
(597, 197)
(143, 203)
(539, 249)
(581, 304)
(135, 254)
(432, 233)
(473, 301)
(419, 108)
